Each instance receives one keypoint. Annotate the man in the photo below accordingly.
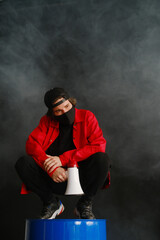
(65, 134)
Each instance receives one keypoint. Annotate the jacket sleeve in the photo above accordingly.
(96, 142)
(35, 141)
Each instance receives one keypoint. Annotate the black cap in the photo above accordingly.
(54, 93)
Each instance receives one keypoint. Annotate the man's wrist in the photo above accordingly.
(51, 173)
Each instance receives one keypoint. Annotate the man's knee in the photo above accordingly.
(23, 163)
(101, 160)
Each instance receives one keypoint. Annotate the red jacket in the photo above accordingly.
(87, 137)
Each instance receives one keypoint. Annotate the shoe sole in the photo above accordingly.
(57, 212)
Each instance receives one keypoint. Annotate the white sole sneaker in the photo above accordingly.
(58, 211)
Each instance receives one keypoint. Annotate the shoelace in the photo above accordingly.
(87, 212)
(86, 209)
(48, 208)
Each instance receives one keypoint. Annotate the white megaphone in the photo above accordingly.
(73, 184)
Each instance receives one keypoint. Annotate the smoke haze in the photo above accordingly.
(106, 54)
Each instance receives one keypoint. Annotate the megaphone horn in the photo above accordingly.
(73, 184)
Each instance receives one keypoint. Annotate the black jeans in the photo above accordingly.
(92, 172)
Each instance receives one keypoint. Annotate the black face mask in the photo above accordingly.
(66, 118)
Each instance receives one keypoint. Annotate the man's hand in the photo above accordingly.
(51, 163)
(59, 175)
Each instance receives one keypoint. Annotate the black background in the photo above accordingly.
(106, 54)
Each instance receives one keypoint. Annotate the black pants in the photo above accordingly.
(92, 172)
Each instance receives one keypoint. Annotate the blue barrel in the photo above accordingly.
(65, 229)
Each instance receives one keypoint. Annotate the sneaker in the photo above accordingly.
(52, 210)
(83, 209)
